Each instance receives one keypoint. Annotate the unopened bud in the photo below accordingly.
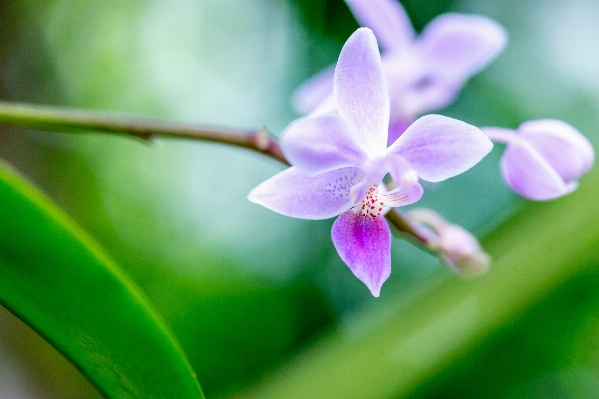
(456, 245)
(462, 250)
(544, 158)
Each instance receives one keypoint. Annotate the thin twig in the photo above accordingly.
(64, 119)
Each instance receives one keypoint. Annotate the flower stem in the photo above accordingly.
(76, 120)
(499, 134)
(69, 120)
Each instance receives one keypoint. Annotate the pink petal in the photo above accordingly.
(458, 45)
(293, 193)
(320, 144)
(527, 173)
(364, 244)
(562, 146)
(438, 147)
(387, 19)
(361, 91)
(314, 91)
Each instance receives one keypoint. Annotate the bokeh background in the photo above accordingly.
(245, 290)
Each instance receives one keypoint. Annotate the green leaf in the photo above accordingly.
(401, 348)
(59, 281)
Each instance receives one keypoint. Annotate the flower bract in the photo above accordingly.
(340, 159)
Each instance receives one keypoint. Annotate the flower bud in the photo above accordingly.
(544, 158)
(457, 246)
(462, 251)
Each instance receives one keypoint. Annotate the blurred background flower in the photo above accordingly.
(245, 289)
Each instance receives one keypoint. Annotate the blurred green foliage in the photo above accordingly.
(551, 351)
(411, 350)
(55, 278)
(244, 289)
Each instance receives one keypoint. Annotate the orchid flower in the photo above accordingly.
(544, 158)
(424, 73)
(339, 160)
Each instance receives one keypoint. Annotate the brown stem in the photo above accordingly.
(61, 119)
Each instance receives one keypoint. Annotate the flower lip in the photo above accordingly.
(364, 244)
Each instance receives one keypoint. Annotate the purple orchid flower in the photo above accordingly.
(339, 160)
(424, 73)
(544, 158)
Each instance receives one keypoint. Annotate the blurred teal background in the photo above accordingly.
(245, 289)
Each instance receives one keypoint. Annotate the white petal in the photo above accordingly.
(361, 91)
(387, 19)
(293, 193)
(458, 45)
(438, 147)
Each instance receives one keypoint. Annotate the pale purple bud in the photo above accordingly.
(544, 158)
(457, 246)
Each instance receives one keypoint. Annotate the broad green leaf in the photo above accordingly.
(174, 215)
(402, 348)
(59, 281)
